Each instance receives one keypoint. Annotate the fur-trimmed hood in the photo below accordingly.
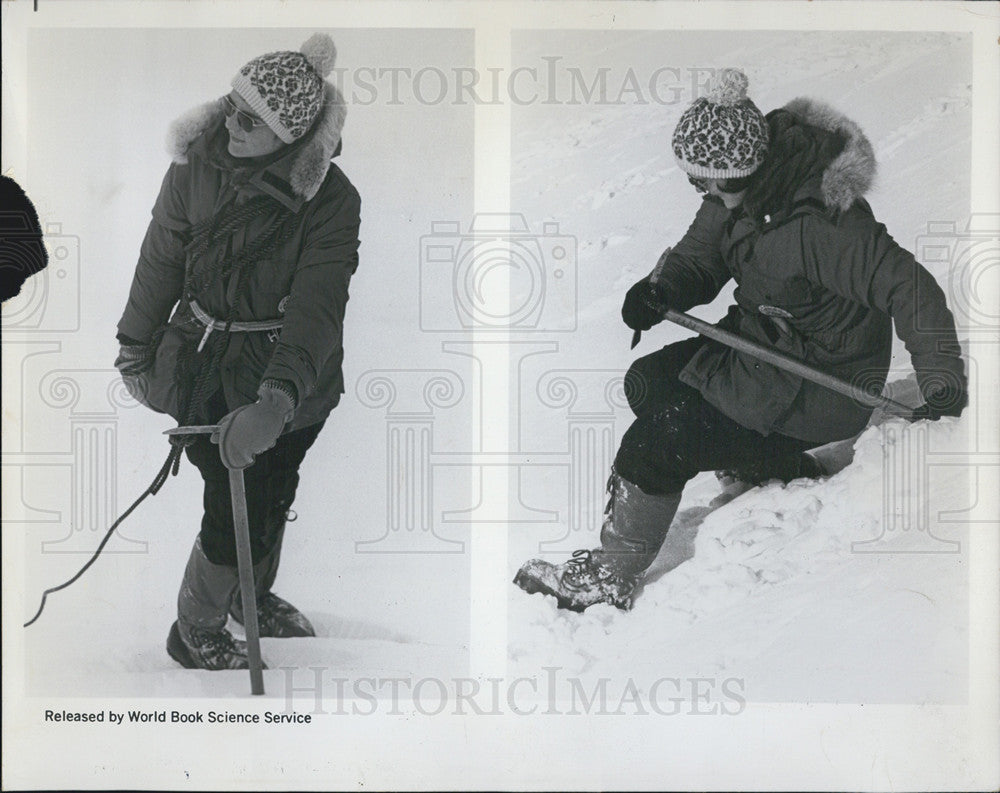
(306, 167)
(851, 173)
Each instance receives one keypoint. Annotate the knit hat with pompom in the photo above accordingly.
(286, 88)
(722, 135)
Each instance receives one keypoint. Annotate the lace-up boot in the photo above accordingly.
(199, 639)
(635, 524)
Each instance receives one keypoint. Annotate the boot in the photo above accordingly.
(199, 639)
(578, 583)
(276, 617)
(635, 524)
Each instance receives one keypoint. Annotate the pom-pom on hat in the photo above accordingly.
(722, 135)
(286, 88)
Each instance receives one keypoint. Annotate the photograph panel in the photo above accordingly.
(365, 555)
(668, 485)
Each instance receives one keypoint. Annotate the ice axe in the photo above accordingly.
(773, 357)
(241, 522)
(789, 364)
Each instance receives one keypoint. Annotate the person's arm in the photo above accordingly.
(691, 273)
(314, 317)
(159, 274)
(858, 259)
(313, 330)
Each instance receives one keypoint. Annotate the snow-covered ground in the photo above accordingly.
(805, 592)
(794, 589)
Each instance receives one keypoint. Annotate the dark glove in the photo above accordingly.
(643, 306)
(134, 359)
(134, 356)
(950, 400)
(252, 429)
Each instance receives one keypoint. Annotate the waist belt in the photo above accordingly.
(211, 323)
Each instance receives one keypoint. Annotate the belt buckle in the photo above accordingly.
(204, 338)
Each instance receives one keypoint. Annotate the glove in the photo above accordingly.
(134, 360)
(134, 357)
(251, 429)
(950, 400)
(643, 306)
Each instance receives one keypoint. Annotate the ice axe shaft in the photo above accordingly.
(788, 363)
(247, 590)
(244, 560)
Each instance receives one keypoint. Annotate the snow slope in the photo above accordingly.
(795, 589)
(806, 592)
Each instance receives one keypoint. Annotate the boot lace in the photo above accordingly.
(214, 643)
(580, 563)
(583, 569)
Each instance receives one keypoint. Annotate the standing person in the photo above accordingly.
(253, 242)
(817, 278)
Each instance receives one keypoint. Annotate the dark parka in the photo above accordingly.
(304, 282)
(819, 279)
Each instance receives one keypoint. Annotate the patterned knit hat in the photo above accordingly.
(722, 135)
(286, 88)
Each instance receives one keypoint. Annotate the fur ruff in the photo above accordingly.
(311, 163)
(852, 172)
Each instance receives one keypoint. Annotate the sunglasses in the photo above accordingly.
(700, 184)
(247, 122)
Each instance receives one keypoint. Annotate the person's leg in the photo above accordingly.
(649, 381)
(274, 486)
(651, 384)
(271, 483)
(211, 578)
(662, 449)
(635, 521)
(198, 639)
(661, 452)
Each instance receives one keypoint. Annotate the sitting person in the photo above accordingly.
(818, 278)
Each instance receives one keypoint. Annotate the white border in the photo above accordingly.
(788, 746)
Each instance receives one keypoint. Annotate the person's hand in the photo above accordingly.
(949, 400)
(249, 430)
(643, 306)
(134, 357)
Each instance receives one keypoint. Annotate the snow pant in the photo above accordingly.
(271, 483)
(677, 434)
